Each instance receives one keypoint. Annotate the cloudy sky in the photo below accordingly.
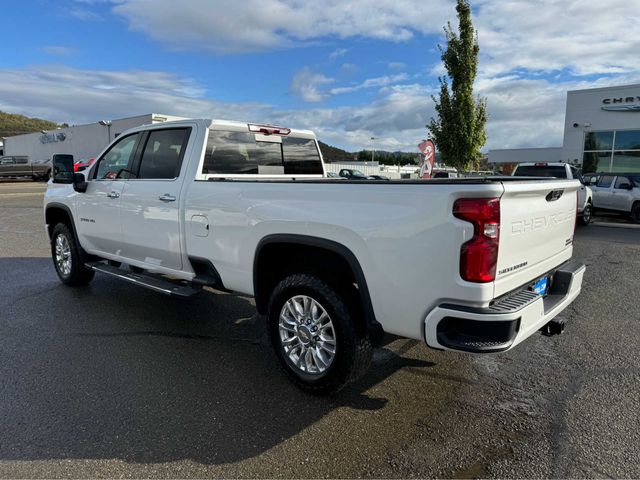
(348, 70)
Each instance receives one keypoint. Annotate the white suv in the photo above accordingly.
(561, 170)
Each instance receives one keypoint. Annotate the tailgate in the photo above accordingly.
(537, 223)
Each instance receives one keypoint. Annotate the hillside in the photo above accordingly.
(333, 154)
(12, 124)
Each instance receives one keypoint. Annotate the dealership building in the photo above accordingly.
(601, 133)
(81, 141)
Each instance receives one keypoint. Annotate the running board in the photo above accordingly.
(150, 281)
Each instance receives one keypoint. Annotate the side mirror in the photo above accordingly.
(63, 168)
(593, 181)
(625, 186)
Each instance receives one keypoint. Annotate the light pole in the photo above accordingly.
(107, 123)
(373, 147)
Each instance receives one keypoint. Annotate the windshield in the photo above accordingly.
(541, 171)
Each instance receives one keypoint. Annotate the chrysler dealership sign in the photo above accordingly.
(621, 104)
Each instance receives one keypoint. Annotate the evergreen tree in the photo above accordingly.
(459, 132)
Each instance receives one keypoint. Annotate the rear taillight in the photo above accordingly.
(575, 219)
(479, 256)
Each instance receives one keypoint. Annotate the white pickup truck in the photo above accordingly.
(474, 265)
(561, 170)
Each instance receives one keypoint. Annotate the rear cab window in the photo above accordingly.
(557, 171)
(237, 154)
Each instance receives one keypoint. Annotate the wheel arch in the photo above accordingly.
(60, 213)
(337, 254)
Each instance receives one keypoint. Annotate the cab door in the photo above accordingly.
(98, 209)
(602, 192)
(7, 166)
(622, 198)
(150, 205)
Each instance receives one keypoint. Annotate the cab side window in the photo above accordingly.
(117, 158)
(163, 153)
(621, 180)
(605, 181)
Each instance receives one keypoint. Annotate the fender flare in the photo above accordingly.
(374, 327)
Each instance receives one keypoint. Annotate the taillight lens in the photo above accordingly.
(479, 256)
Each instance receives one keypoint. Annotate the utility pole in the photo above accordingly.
(373, 146)
(107, 123)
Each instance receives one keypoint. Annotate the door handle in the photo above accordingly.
(113, 194)
(167, 198)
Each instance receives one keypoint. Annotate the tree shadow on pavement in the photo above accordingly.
(114, 371)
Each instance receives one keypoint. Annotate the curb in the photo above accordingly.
(631, 226)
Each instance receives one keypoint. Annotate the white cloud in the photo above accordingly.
(81, 96)
(307, 85)
(547, 35)
(371, 83)
(522, 112)
(229, 26)
(338, 52)
(583, 37)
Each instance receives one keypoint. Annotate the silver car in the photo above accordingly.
(618, 192)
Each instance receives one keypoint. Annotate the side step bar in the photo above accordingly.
(147, 280)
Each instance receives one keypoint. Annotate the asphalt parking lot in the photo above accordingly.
(111, 380)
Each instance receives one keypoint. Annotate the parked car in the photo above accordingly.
(17, 166)
(565, 171)
(335, 176)
(590, 178)
(444, 174)
(83, 164)
(378, 177)
(352, 174)
(333, 265)
(618, 192)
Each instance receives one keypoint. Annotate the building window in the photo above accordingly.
(598, 141)
(612, 151)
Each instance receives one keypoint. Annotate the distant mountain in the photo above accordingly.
(333, 154)
(12, 124)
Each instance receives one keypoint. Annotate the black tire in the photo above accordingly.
(75, 273)
(352, 351)
(635, 212)
(587, 213)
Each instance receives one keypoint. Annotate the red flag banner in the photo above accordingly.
(428, 150)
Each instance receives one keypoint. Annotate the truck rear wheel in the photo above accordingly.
(314, 336)
(67, 258)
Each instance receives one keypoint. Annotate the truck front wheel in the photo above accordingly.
(585, 218)
(314, 335)
(67, 259)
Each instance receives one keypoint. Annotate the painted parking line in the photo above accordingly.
(616, 225)
(22, 194)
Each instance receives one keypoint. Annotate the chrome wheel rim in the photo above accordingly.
(307, 335)
(586, 215)
(63, 254)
